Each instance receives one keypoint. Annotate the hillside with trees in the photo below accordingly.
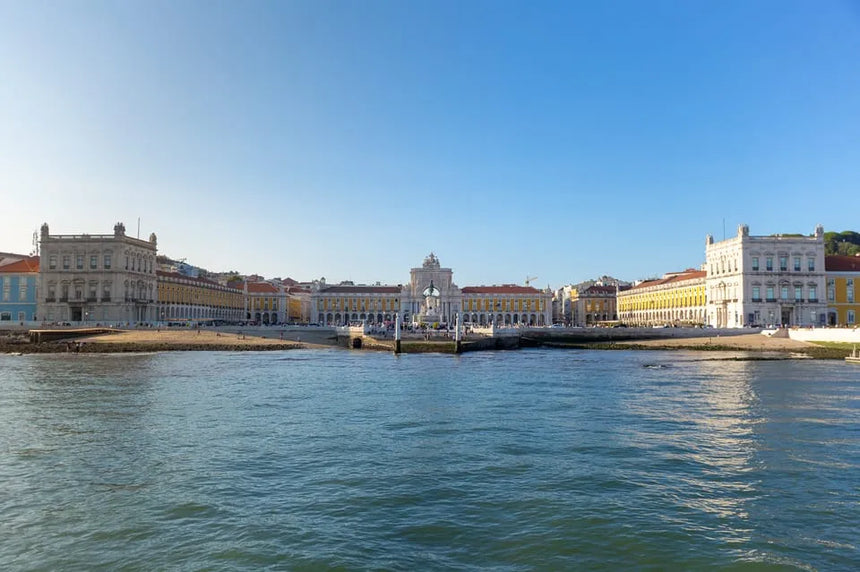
(846, 243)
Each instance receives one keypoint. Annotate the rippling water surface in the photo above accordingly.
(360, 460)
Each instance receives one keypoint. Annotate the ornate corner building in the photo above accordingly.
(97, 277)
(766, 280)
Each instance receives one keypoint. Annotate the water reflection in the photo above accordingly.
(515, 460)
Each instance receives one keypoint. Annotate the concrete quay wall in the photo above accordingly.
(602, 335)
(843, 335)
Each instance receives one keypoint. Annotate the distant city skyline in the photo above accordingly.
(308, 139)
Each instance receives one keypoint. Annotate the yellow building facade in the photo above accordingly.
(187, 298)
(675, 299)
(842, 275)
(506, 305)
(342, 304)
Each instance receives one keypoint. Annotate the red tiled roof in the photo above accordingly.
(679, 277)
(361, 290)
(29, 264)
(261, 288)
(839, 263)
(197, 279)
(505, 289)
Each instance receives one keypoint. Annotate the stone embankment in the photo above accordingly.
(272, 338)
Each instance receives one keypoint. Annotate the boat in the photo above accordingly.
(854, 357)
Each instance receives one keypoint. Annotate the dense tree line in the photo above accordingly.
(846, 243)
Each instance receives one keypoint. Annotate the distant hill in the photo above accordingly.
(846, 243)
(605, 280)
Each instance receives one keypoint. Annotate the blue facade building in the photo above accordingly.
(18, 285)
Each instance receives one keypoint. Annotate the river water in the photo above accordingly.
(331, 459)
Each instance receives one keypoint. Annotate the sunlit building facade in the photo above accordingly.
(506, 305)
(187, 298)
(265, 303)
(842, 277)
(345, 303)
(594, 304)
(675, 299)
(430, 298)
(766, 280)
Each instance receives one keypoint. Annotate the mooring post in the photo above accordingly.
(458, 340)
(397, 333)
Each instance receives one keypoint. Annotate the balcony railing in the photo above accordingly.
(51, 299)
(756, 299)
(92, 299)
(64, 298)
(813, 300)
(770, 299)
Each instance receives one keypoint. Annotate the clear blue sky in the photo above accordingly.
(348, 139)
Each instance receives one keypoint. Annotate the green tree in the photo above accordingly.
(846, 243)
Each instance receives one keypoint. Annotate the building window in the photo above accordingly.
(811, 264)
(831, 290)
(849, 290)
(798, 293)
(107, 261)
(64, 293)
(797, 264)
(52, 262)
(769, 264)
(7, 287)
(755, 263)
(756, 293)
(813, 297)
(850, 317)
(6, 316)
(22, 316)
(22, 289)
(769, 292)
(783, 263)
(106, 293)
(66, 262)
(783, 292)
(94, 262)
(79, 261)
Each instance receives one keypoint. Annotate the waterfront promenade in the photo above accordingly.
(262, 339)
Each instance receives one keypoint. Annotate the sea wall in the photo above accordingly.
(843, 335)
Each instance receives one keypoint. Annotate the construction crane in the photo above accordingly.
(529, 279)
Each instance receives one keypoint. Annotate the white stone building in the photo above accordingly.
(97, 278)
(765, 280)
